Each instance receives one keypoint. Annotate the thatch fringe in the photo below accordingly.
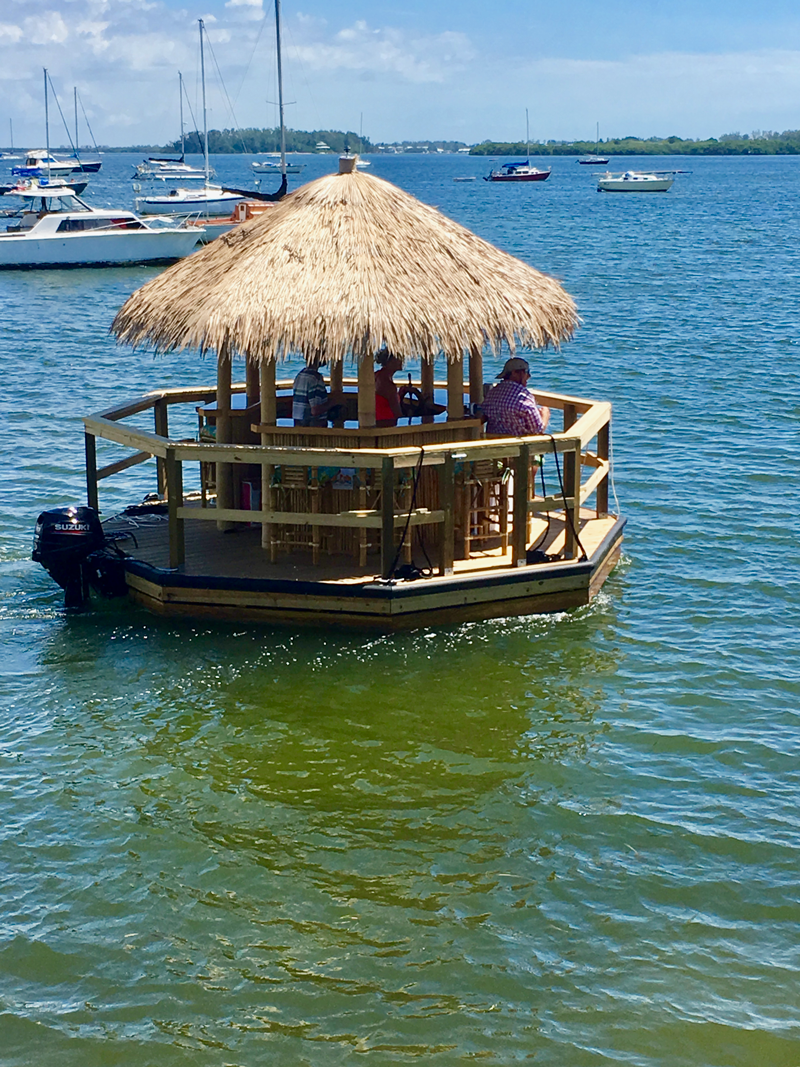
(339, 268)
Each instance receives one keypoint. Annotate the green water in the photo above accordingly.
(567, 840)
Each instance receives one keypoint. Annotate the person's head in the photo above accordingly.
(515, 370)
(386, 360)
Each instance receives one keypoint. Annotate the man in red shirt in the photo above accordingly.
(510, 409)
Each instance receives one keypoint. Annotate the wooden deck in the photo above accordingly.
(228, 575)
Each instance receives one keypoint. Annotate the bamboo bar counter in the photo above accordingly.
(383, 528)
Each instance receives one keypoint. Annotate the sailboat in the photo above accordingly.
(208, 199)
(519, 172)
(87, 166)
(40, 164)
(10, 154)
(167, 169)
(596, 159)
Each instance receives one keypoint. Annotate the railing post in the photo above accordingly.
(426, 384)
(570, 416)
(519, 532)
(92, 496)
(572, 488)
(447, 503)
(603, 441)
(387, 516)
(224, 434)
(177, 545)
(162, 429)
(268, 418)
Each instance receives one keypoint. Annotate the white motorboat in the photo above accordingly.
(55, 228)
(270, 167)
(41, 164)
(635, 181)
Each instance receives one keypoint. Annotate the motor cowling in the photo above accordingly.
(63, 541)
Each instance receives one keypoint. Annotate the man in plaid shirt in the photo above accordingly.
(310, 397)
(510, 409)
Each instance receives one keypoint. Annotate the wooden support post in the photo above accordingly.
(269, 409)
(387, 516)
(177, 544)
(426, 379)
(251, 379)
(337, 385)
(162, 429)
(224, 434)
(603, 436)
(447, 503)
(455, 389)
(366, 392)
(570, 416)
(572, 488)
(92, 495)
(476, 377)
(519, 532)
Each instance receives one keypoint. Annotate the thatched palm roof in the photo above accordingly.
(341, 267)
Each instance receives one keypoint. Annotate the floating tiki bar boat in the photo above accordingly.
(388, 527)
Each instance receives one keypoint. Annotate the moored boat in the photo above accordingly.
(519, 172)
(42, 164)
(634, 181)
(55, 228)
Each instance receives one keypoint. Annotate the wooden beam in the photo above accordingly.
(269, 408)
(224, 433)
(455, 389)
(125, 435)
(349, 520)
(90, 446)
(161, 420)
(366, 392)
(387, 516)
(177, 543)
(447, 501)
(603, 449)
(123, 464)
(252, 387)
(519, 532)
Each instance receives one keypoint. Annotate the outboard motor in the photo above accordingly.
(63, 541)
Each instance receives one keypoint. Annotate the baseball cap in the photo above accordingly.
(515, 363)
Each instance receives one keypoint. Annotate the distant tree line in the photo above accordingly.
(759, 143)
(226, 142)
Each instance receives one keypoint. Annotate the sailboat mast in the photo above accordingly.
(280, 85)
(46, 123)
(205, 116)
(11, 132)
(527, 136)
(183, 135)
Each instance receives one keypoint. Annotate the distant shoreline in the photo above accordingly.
(261, 142)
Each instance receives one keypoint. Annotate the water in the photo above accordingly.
(571, 840)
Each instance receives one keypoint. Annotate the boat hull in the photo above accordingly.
(168, 205)
(377, 605)
(20, 252)
(621, 185)
(541, 176)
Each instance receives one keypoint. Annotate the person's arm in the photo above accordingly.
(537, 417)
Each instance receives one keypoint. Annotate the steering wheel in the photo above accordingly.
(410, 400)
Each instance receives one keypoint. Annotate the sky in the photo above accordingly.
(419, 71)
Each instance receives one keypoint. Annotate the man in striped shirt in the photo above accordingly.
(510, 409)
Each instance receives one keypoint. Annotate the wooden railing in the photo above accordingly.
(585, 422)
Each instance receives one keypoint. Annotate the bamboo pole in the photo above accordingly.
(366, 392)
(337, 384)
(251, 379)
(455, 389)
(426, 377)
(476, 377)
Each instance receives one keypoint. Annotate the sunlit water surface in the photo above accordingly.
(569, 839)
